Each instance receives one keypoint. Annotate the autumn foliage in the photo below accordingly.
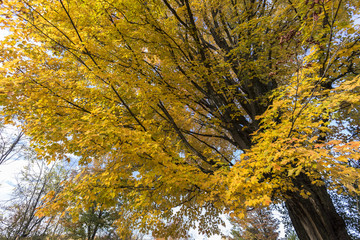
(201, 106)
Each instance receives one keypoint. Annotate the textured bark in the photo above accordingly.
(315, 217)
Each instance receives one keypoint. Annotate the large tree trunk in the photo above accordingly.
(315, 217)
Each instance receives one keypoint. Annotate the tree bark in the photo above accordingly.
(315, 217)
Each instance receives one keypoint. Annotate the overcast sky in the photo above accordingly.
(8, 172)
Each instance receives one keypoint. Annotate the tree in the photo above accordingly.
(95, 223)
(19, 213)
(348, 206)
(10, 142)
(89, 219)
(90, 223)
(259, 224)
(162, 95)
(20, 218)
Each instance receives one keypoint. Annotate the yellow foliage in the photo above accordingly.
(194, 106)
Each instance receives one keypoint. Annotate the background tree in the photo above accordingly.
(347, 202)
(160, 95)
(292, 236)
(20, 218)
(89, 224)
(90, 219)
(10, 142)
(19, 213)
(259, 224)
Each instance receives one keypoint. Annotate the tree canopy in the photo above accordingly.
(202, 106)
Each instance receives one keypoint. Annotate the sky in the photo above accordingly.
(8, 172)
